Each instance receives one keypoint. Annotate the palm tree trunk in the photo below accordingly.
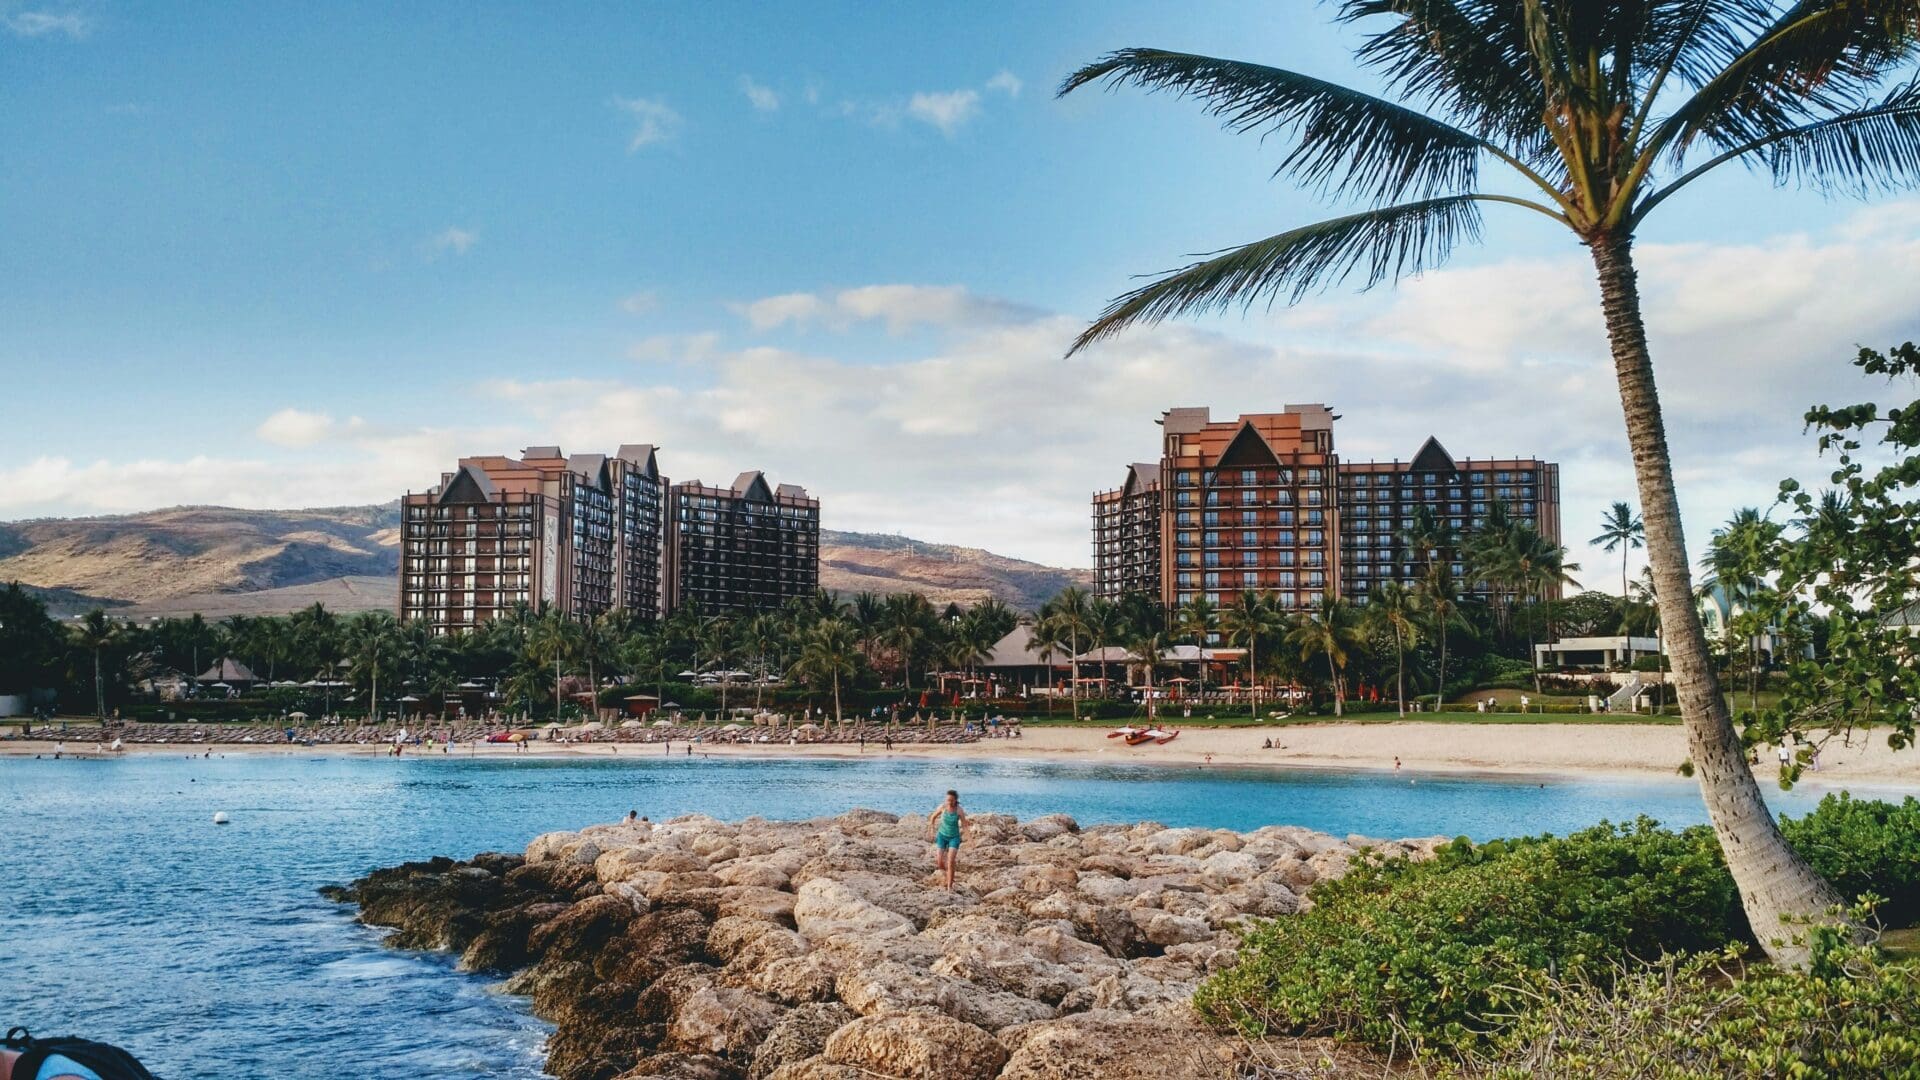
(1073, 672)
(1440, 678)
(1775, 883)
(1339, 690)
(99, 688)
(1400, 671)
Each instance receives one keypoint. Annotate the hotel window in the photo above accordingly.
(1283, 497)
(1248, 476)
(1316, 580)
(1503, 478)
(1362, 510)
(1284, 538)
(1316, 558)
(1283, 517)
(1315, 476)
(1316, 517)
(1249, 579)
(1211, 558)
(1184, 517)
(1249, 537)
(1453, 508)
(1249, 517)
(1211, 539)
(1184, 580)
(1183, 478)
(1316, 497)
(1183, 498)
(1283, 558)
(1362, 556)
(1213, 498)
(1249, 496)
(1360, 480)
(1184, 558)
(1459, 568)
(1213, 581)
(1479, 508)
(1210, 518)
(1316, 537)
(1183, 539)
(1285, 579)
(1187, 597)
(1213, 598)
(1286, 476)
(1289, 601)
(1249, 558)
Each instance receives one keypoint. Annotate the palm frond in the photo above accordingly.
(1346, 142)
(1389, 242)
(1869, 150)
(1815, 58)
(1470, 59)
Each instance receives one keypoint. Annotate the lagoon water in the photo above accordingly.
(206, 950)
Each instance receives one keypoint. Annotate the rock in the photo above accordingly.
(1105, 1044)
(1163, 928)
(757, 902)
(582, 930)
(1046, 828)
(723, 1022)
(1224, 868)
(800, 1034)
(547, 846)
(893, 987)
(916, 1047)
(680, 1067)
(798, 980)
(755, 872)
(1007, 966)
(825, 909)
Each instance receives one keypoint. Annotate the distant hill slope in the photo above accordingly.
(869, 562)
(221, 561)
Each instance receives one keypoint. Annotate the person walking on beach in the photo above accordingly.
(946, 822)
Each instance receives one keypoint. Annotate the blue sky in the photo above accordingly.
(294, 254)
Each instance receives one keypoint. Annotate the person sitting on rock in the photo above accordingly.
(946, 836)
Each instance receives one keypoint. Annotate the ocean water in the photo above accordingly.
(206, 950)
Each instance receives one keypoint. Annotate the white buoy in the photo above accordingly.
(220, 817)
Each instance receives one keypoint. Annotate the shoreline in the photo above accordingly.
(1558, 751)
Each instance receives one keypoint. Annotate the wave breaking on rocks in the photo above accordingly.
(699, 949)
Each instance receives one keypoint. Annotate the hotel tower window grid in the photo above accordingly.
(750, 547)
(1126, 535)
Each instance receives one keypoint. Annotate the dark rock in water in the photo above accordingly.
(701, 950)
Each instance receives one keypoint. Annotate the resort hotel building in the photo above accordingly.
(742, 548)
(583, 533)
(1263, 502)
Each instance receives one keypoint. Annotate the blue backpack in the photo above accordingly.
(110, 1062)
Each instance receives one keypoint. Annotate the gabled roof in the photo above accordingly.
(1141, 476)
(470, 485)
(228, 670)
(752, 485)
(541, 453)
(642, 456)
(1247, 449)
(790, 491)
(1011, 651)
(589, 467)
(1432, 457)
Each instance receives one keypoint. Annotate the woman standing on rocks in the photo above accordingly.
(946, 835)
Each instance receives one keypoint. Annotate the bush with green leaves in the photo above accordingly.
(1853, 1016)
(1865, 846)
(1437, 954)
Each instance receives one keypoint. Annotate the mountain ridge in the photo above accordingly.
(221, 561)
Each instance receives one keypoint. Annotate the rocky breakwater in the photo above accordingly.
(825, 950)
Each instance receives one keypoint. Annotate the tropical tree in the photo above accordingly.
(829, 653)
(764, 636)
(1438, 596)
(554, 639)
(1197, 620)
(1394, 608)
(1599, 112)
(909, 622)
(1071, 615)
(1331, 630)
(1147, 650)
(1621, 528)
(1250, 617)
(95, 633)
(371, 639)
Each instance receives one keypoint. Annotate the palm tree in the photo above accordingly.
(1244, 622)
(828, 653)
(96, 633)
(1072, 616)
(1394, 608)
(868, 613)
(1620, 528)
(1044, 640)
(1438, 594)
(1600, 113)
(763, 636)
(1538, 565)
(1197, 620)
(1106, 623)
(909, 622)
(1427, 537)
(1331, 629)
(371, 639)
(1147, 650)
(553, 640)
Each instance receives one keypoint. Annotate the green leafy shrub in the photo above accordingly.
(1855, 1016)
(1865, 846)
(1439, 952)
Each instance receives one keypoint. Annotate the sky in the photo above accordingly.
(285, 255)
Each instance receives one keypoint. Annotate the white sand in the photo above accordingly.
(1543, 749)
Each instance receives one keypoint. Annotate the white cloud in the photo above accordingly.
(452, 239)
(1006, 82)
(947, 110)
(33, 24)
(653, 121)
(899, 307)
(989, 414)
(763, 98)
(639, 302)
(295, 427)
(772, 311)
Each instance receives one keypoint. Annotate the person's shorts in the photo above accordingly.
(945, 843)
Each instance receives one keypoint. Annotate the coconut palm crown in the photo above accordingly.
(1596, 112)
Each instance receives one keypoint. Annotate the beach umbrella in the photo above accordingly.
(551, 725)
(734, 727)
(592, 725)
(296, 716)
(663, 723)
(631, 724)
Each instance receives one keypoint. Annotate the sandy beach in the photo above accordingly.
(1563, 750)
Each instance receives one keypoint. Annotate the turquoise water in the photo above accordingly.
(205, 950)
